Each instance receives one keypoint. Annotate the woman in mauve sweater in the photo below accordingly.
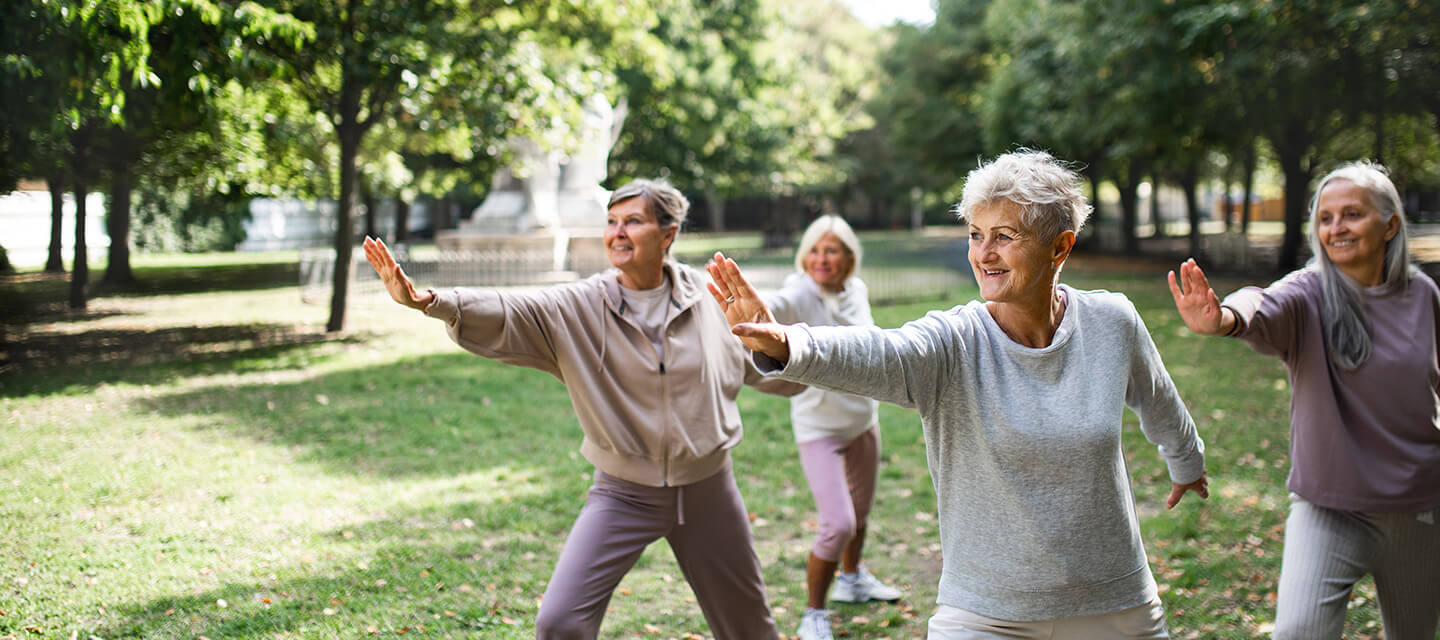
(1356, 329)
(838, 434)
(1022, 399)
(653, 373)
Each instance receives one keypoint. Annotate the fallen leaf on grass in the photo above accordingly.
(652, 629)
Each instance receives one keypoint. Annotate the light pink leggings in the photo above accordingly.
(841, 474)
(709, 532)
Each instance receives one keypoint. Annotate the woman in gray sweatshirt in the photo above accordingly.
(1357, 331)
(1022, 398)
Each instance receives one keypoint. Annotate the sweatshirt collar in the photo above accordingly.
(684, 291)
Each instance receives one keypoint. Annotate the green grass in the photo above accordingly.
(209, 463)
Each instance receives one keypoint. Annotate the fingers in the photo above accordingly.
(1174, 288)
(1201, 488)
(739, 286)
(720, 286)
(715, 293)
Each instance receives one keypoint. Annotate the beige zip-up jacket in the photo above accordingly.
(654, 423)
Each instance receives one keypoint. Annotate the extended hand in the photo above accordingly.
(1201, 488)
(748, 316)
(396, 282)
(1198, 305)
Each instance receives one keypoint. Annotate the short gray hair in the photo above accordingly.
(1347, 334)
(1047, 190)
(663, 201)
(831, 224)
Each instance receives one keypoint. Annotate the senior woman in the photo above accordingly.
(838, 434)
(1021, 398)
(653, 374)
(1356, 329)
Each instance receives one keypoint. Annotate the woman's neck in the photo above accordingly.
(1370, 274)
(648, 279)
(1030, 323)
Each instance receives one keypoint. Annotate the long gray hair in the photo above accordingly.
(1347, 334)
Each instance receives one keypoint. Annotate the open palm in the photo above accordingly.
(1197, 303)
(749, 317)
(401, 288)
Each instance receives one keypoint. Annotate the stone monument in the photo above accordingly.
(547, 199)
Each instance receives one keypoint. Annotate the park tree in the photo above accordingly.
(1298, 64)
(100, 82)
(369, 54)
(698, 110)
(72, 64)
(934, 98)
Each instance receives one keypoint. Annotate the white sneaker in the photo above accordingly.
(864, 587)
(815, 625)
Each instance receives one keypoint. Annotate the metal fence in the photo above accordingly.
(534, 268)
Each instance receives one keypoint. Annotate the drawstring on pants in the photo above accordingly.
(680, 505)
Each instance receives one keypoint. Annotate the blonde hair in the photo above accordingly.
(836, 226)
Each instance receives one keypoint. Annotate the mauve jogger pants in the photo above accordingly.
(708, 530)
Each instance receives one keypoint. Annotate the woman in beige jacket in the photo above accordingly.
(653, 373)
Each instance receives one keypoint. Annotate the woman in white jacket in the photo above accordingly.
(837, 433)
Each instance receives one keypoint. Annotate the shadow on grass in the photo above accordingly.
(66, 360)
(431, 416)
(44, 350)
(44, 297)
(420, 571)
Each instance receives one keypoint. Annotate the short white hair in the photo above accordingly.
(1047, 190)
(831, 224)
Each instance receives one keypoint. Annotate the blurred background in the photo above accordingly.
(486, 125)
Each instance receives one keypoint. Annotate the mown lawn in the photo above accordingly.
(210, 464)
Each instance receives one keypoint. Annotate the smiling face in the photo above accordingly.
(1352, 232)
(636, 243)
(829, 263)
(1010, 263)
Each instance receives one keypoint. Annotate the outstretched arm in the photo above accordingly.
(749, 318)
(1198, 305)
(401, 289)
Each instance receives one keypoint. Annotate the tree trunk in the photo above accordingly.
(402, 220)
(117, 224)
(1249, 192)
(344, 225)
(1297, 182)
(1380, 132)
(367, 198)
(1226, 182)
(55, 262)
(1189, 179)
(1129, 213)
(80, 271)
(1155, 208)
(1091, 172)
(717, 210)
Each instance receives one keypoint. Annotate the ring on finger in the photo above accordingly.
(729, 299)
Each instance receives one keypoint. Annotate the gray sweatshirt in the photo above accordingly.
(1037, 520)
